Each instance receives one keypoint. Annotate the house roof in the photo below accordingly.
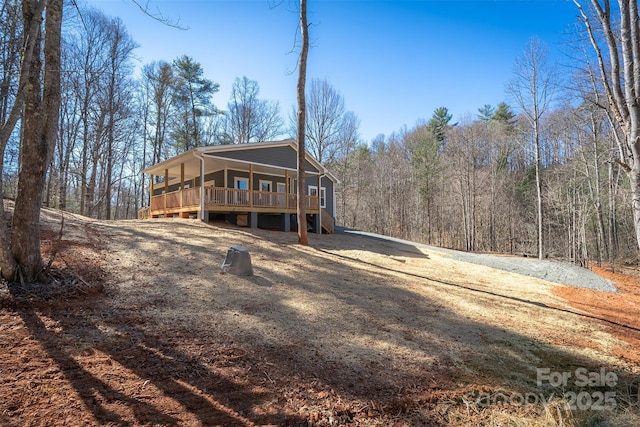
(218, 156)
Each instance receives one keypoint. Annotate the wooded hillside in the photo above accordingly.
(474, 187)
(542, 172)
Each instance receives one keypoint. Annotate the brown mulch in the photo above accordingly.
(620, 311)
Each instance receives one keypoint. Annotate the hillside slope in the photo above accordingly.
(351, 330)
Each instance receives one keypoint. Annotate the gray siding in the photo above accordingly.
(274, 180)
(217, 176)
(326, 183)
(232, 174)
(159, 188)
(284, 157)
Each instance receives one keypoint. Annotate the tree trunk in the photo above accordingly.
(620, 75)
(539, 205)
(613, 228)
(40, 127)
(302, 77)
(32, 19)
(110, 138)
(538, 160)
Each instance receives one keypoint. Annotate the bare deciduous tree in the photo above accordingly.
(40, 70)
(532, 89)
(120, 50)
(158, 79)
(615, 44)
(302, 79)
(249, 118)
(325, 120)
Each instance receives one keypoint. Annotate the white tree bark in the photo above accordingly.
(620, 77)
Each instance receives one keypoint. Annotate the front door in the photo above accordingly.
(282, 197)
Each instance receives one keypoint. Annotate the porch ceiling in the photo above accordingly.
(211, 164)
(191, 167)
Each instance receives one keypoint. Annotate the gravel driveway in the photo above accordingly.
(551, 271)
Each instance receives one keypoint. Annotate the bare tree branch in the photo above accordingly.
(159, 16)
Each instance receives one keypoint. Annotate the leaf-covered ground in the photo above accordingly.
(144, 329)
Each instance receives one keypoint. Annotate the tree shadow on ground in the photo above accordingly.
(210, 398)
(382, 245)
(375, 340)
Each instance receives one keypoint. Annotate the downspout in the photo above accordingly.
(201, 184)
(335, 203)
(320, 202)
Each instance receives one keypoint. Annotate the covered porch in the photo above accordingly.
(201, 185)
(186, 202)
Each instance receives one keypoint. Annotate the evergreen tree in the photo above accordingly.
(439, 123)
(485, 113)
(193, 101)
(503, 114)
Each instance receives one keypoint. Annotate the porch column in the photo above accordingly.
(166, 187)
(181, 182)
(204, 215)
(151, 189)
(253, 219)
(319, 218)
(287, 221)
(251, 185)
(319, 186)
(286, 190)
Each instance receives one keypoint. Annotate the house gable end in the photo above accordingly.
(280, 156)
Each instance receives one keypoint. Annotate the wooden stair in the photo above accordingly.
(328, 223)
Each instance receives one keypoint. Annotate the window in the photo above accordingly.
(241, 197)
(265, 185)
(281, 187)
(313, 191)
(241, 183)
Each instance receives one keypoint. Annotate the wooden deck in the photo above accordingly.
(224, 200)
(186, 203)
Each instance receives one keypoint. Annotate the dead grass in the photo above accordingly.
(347, 331)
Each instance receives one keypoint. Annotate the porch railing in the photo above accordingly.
(269, 200)
(311, 202)
(226, 196)
(176, 199)
(191, 197)
(143, 213)
(219, 196)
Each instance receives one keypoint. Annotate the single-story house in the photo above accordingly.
(251, 185)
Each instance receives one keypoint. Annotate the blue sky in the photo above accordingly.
(394, 62)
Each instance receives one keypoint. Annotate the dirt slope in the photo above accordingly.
(347, 331)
